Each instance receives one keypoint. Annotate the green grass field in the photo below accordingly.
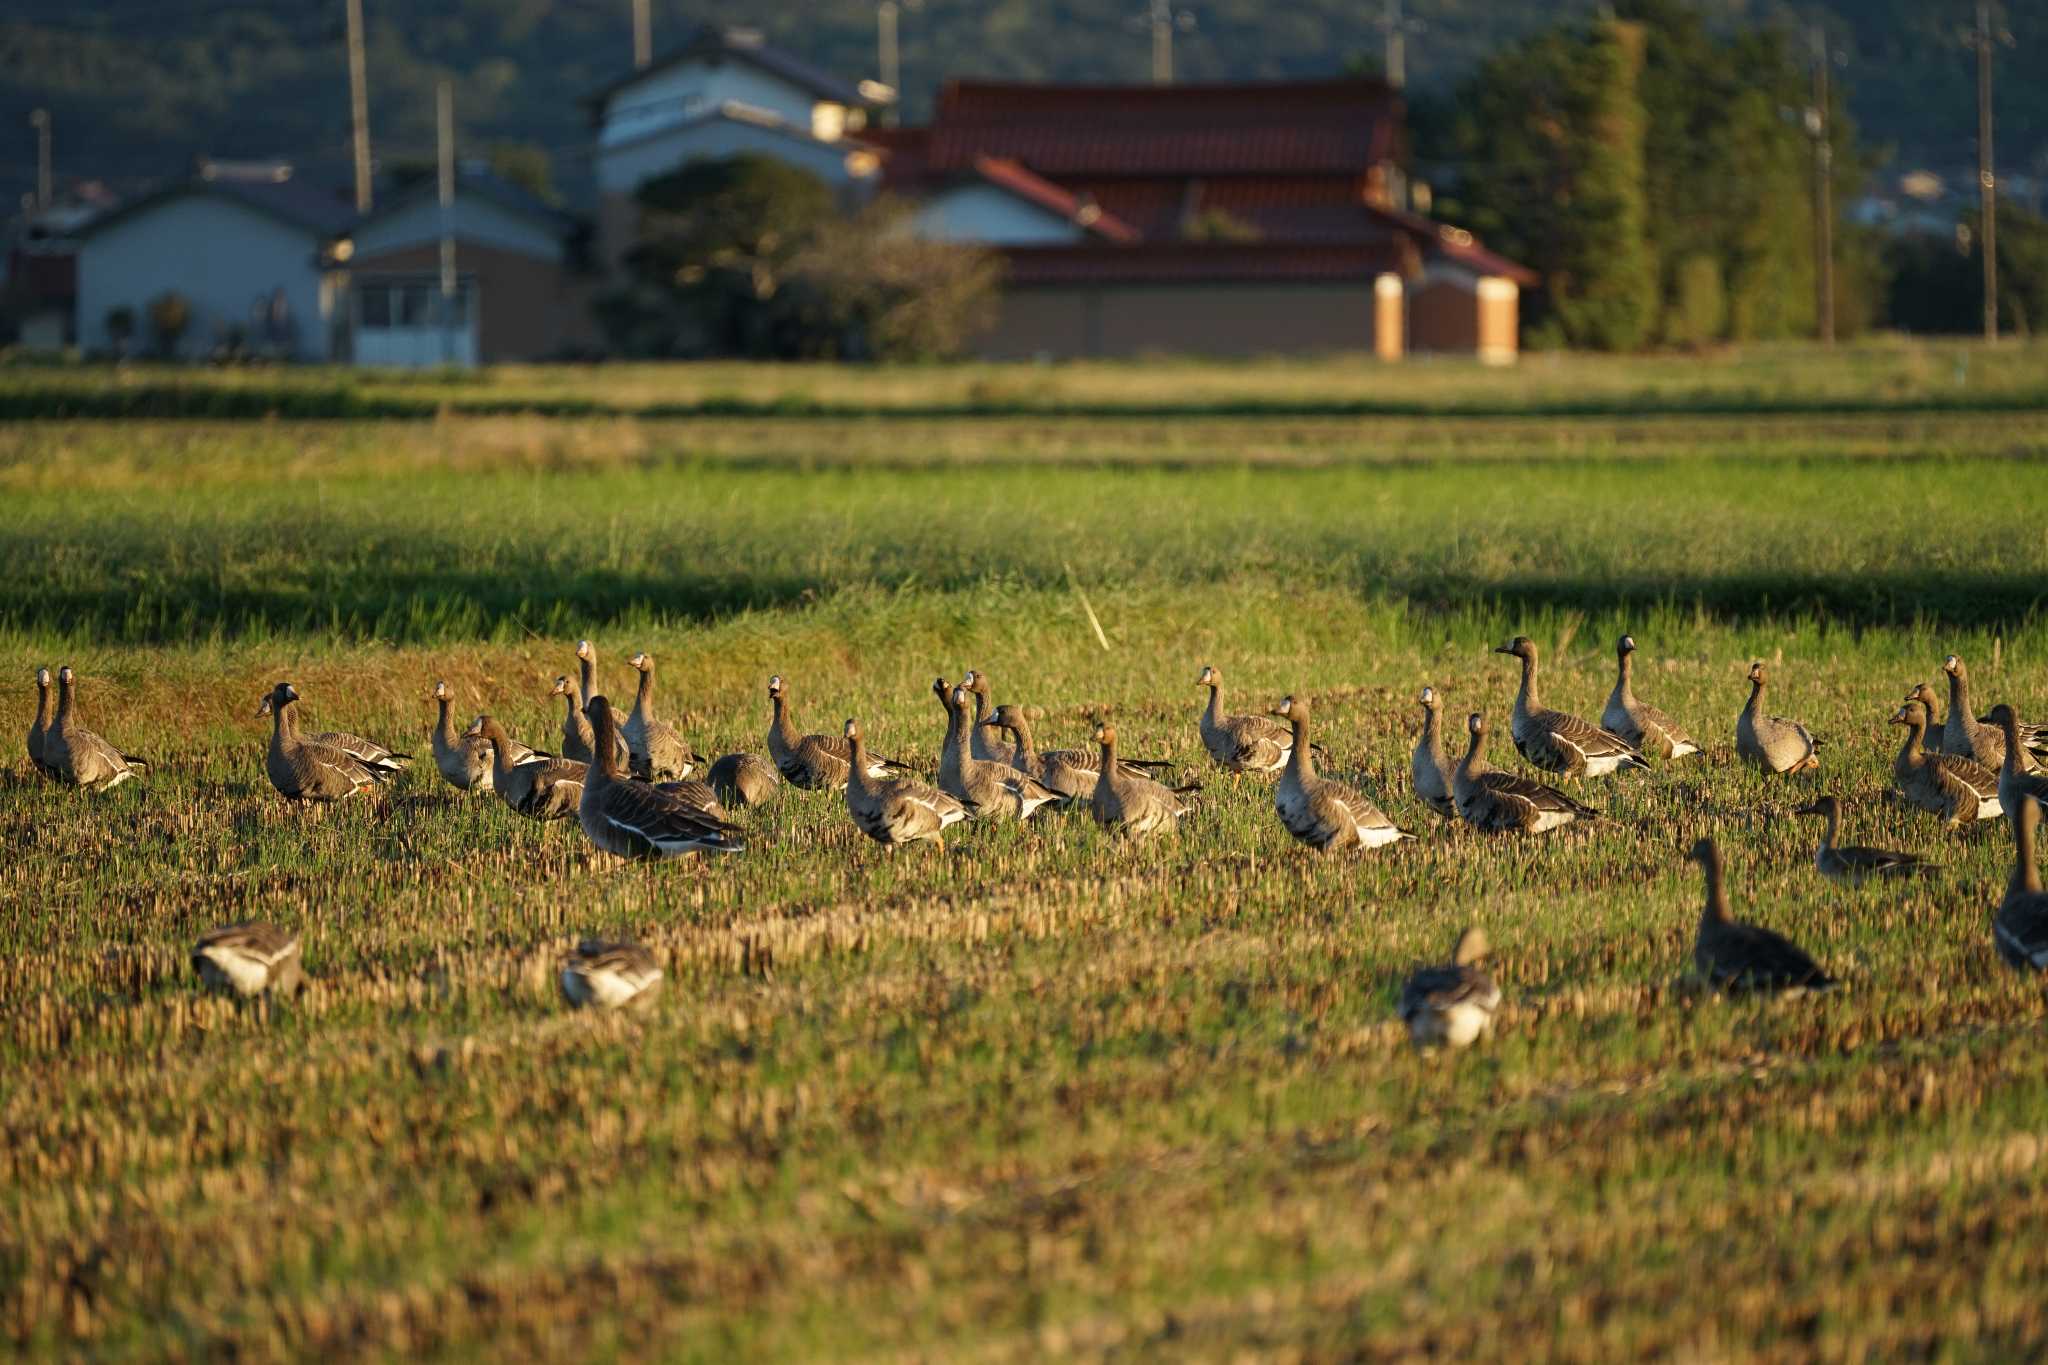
(1042, 1094)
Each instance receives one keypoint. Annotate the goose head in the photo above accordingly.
(1005, 716)
(1292, 707)
(1475, 725)
(1105, 733)
(586, 651)
(2002, 716)
(1703, 853)
(1756, 671)
(1472, 947)
(1914, 712)
(852, 731)
(65, 676)
(777, 689)
(642, 661)
(941, 689)
(43, 679)
(1625, 646)
(1522, 647)
(477, 725)
(957, 698)
(974, 682)
(281, 696)
(1427, 699)
(599, 710)
(1210, 677)
(443, 692)
(1827, 807)
(562, 686)
(1952, 666)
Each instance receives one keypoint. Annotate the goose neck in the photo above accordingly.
(586, 680)
(42, 704)
(643, 695)
(1756, 696)
(1958, 694)
(1215, 712)
(63, 698)
(1299, 759)
(1715, 911)
(2026, 877)
(604, 748)
(1526, 698)
(780, 723)
(444, 729)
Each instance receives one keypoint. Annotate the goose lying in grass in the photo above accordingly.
(1557, 741)
(1855, 864)
(609, 976)
(1735, 957)
(74, 754)
(1452, 1005)
(249, 960)
(1637, 722)
(744, 780)
(1773, 743)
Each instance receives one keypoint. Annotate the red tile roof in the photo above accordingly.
(1085, 213)
(1311, 127)
(1207, 263)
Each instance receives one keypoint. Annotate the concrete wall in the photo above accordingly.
(474, 218)
(223, 257)
(1199, 319)
(693, 88)
(525, 309)
(983, 213)
(1455, 312)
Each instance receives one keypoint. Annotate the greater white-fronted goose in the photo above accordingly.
(306, 768)
(41, 724)
(75, 754)
(812, 762)
(1507, 803)
(1327, 816)
(577, 746)
(2020, 927)
(744, 780)
(2015, 783)
(1932, 741)
(464, 760)
(1736, 957)
(989, 790)
(1855, 864)
(1452, 1005)
(1958, 790)
(983, 741)
(609, 976)
(1964, 735)
(894, 810)
(1430, 771)
(631, 819)
(1241, 744)
(249, 960)
(1638, 722)
(1772, 743)
(540, 787)
(657, 748)
(386, 761)
(1557, 741)
(1128, 803)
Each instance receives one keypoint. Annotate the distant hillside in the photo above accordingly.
(137, 86)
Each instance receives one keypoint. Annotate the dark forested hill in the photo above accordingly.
(137, 86)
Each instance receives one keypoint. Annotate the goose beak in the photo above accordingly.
(990, 724)
(263, 709)
(1503, 649)
(1810, 808)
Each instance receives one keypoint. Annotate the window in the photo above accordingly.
(415, 305)
(376, 305)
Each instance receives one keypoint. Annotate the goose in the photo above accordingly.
(1429, 770)
(1736, 957)
(540, 787)
(634, 820)
(1638, 722)
(657, 748)
(1070, 772)
(1327, 816)
(41, 724)
(2015, 784)
(75, 754)
(249, 959)
(368, 752)
(1771, 742)
(1956, 789)
(1240, 744)
(1129, 803)
(464, 759)
(984, 742)
(1932, 741)
(989, 790)
(2020, 926)
(744, 780)
(307, 768)
(1557, 741)
(894, 810)
(1452, 1005)
(609, 976)
(1855, 864)
(1506, 803)
(813, 762)
(1978, 739)
(576, 733)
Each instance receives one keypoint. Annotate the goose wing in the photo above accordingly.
(1435, 989)
(1529, 793)
(657, 823)
(1587, 738)
(1749, 956)
(2020, 930)
(1881, 861)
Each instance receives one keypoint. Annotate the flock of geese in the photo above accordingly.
(628, 784)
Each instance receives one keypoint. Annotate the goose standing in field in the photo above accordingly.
(657, 748)
(1557, 741)
(540, 786)
(75, 754)
(577, 746)
(1966, 736)
(609, 976)
(1129, 803)
(1070, 772)
(41, 724)
(988, 789)
(1241, 744)
(1958, 790)
(1507, 803)
(812, 762)
(2015, 783)
(634, 820)
(1327, 816)
(249, 960)
(1452, 1005)
(1855, 864)
(306, 768)
(1430, 771)
(576, 734)
(1771, 742)
(983, 741)
(894, 810)
(464, 759)
(2020, 926)
(1638, 722)
(744, 780)
(1736, 957)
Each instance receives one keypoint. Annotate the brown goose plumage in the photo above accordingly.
(631, 819)
(1240, 744)
(1734, 956)
(1327, 816)
(812, 762)
(989, 790)
(41, 724)
(1956, 789)
(609, 976)
(306, 768)
(1966, 736)
(983, 741)
(1452, 1005)
(539, 787)
(1428, 769)
(1557, 741)
(744, 780)
(2015, 782)
(1128, 803)
(1855, 864)
(2020, 925)
(894, 810)
(657, 748)
(1505, 803)
(1771, 742)
(76, 755)
(249, 959)
(1638, 722)
(464, 760)
(576, 733)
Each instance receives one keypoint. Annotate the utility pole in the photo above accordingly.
(888, 54)
(1987, 178)
(1823, 193)
(444, 100)
(359, 104)
(1164, 21)
(39, 119)
(1396, 33)
(643, 36)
